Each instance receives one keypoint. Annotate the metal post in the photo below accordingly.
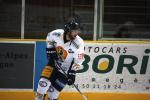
(98, 19)
(101, 19)
(95, 19)
(22, 19)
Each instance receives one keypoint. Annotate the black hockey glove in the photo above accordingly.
(51, 54)
(71, 77)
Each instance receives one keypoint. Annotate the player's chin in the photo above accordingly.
(73, 37)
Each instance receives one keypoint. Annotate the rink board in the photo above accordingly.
(109, 66)
(75, 96)
(105, 84)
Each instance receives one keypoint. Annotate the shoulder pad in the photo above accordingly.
(56, 34)
(78, 42)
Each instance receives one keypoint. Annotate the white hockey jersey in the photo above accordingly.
(70, 51)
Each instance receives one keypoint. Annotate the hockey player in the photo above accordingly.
(65, 48)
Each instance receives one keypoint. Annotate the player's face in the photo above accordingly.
(73, 34)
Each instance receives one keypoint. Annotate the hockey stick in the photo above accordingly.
(85, 98)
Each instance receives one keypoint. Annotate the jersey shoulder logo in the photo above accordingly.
(61, 52)
(56, 34)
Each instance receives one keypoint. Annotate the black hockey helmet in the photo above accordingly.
(72, 24)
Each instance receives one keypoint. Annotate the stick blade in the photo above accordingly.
(85, 98)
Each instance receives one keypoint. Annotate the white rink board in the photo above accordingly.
(129, 71)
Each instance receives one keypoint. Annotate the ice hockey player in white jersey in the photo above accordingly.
(66, 48)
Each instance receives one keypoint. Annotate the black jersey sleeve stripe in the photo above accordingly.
(75, 44)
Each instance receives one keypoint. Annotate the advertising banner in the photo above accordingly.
(114, 67)
(16, 65)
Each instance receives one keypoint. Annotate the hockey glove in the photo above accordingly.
(71, 77)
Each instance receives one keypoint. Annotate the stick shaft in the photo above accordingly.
(85, 98)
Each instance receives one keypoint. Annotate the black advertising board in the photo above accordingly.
(16, 65)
